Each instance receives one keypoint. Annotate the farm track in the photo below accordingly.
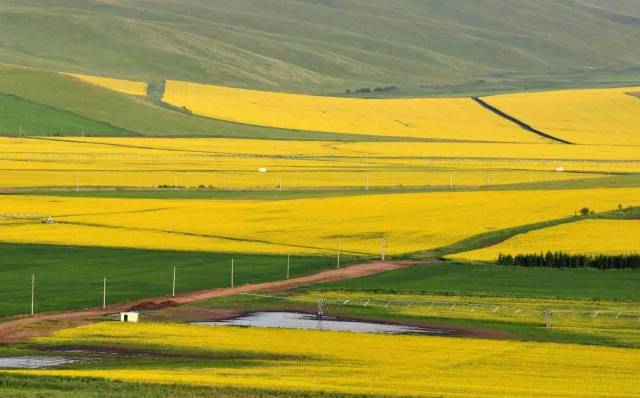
(520, 123)
(20, 329)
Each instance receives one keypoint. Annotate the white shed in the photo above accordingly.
(129, 316)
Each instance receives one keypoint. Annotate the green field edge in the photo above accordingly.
(27, 386)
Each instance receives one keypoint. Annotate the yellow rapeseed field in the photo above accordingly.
(434, 118)
(582, 237)
(295, 148)
(408, 222)
(596, 116)
(124, 86)
(229, 163)
(297, 361)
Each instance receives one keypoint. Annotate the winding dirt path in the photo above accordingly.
(20, 329)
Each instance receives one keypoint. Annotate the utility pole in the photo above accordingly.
(82, 139)
(231, 272)
(20, 134)
(383, 247)
(104, 292)
(77, 183)
(288, 264)
(280, 185)
(173, 285)
(33, 292)
(451, 183)
(339, 251)
(366, 182)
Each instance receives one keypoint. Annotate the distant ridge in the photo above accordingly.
(328, 46)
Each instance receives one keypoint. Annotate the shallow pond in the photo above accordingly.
(295, 320)
(34, 362)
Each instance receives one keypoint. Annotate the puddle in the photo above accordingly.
(34, 362)
(295, 320)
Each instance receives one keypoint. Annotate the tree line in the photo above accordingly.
(566, 260)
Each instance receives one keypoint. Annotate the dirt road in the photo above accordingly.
(20, 329)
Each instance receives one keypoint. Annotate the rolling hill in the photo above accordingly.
(328, 46)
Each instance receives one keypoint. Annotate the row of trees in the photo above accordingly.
(565, 260)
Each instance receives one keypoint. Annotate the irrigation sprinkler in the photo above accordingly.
(173, 284)
(320, 311)
(33, 292)
(547, 319)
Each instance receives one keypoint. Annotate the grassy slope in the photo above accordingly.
(324, 46)
(104, 112)
(71, 277)
(36, 119)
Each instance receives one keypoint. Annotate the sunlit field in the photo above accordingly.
(597, 116)
(458, 119)
(288, 360)
(583, 237)
(282, 165)
(120, 85)
(407, 222)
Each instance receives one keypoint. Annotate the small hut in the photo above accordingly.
(129, 316)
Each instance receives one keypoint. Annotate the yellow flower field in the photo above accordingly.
(360, 363)
(409, 222)
(228, 146)
(434, 118)
(583, 237)
(596, 116)
(123, 86)
(234, 164)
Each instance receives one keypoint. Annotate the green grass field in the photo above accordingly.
(70, 278)
(20, 116)
(497, 280)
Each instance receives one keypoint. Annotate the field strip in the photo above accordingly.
(493, 238)
(202, 235)
(16, 330)
(520, 123)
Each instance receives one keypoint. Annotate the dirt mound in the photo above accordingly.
(152, 305)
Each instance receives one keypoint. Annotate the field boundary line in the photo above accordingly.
(518, 122)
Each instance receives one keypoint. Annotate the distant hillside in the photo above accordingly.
(328, 46)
